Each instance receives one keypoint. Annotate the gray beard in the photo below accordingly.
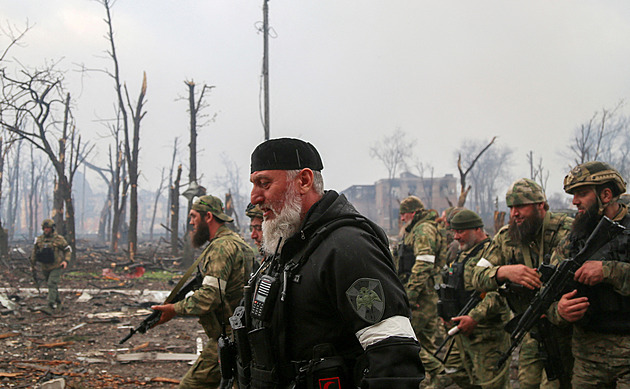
(284, 225)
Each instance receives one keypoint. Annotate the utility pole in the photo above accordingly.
(266, 65)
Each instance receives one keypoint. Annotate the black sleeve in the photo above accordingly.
(391, 363)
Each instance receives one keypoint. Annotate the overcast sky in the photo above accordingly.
(343, 74)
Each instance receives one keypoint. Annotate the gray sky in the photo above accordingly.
(344, 74)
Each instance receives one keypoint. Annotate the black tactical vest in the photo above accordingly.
(608, 311)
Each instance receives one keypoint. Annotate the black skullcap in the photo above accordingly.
(285, 154)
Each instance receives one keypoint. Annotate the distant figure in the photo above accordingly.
(52, 252)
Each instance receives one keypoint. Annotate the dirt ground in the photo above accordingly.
(102, 299)
(79, 343)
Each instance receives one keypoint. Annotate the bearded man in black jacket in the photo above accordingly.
(326, 310)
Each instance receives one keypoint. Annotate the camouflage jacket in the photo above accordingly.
(429, 249)
(60, 247)
(492, 312)
(221, 266)
(504, 251)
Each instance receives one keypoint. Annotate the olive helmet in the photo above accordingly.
(48, 223)
(594, 173)
(411, 204)
(524, 191)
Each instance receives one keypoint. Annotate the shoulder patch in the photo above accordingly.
(367, 299)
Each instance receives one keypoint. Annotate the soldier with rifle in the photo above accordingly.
(511, 262)
(599, 304)
(221, 265)
(479, 320)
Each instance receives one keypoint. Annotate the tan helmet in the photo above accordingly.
(524, 191)
(48, 223)
(411, 204)
(594, 173)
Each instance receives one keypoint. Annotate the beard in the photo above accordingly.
(527, 230)
(285, 223)
(585, 222)
(467, 244)
(201, 235)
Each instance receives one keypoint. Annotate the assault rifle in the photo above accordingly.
(151, 320)
(560, 280)
(475, 298)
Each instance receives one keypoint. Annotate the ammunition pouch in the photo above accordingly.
(406, 260)
(227, 357)
(518, 297)
(325, 370)
(608, 311)
(452, 296)
(45, 255)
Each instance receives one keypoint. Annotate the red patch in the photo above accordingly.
(329, 383)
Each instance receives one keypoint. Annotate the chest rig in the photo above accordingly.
(260, 323)
(608, 311)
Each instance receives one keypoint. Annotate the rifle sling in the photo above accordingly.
(184, 278)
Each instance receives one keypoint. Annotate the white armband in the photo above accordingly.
(392, 326)
(214, 282)
(426, 258)
(484, 263)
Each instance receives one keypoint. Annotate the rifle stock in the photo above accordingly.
(605, 231)
(152, 319)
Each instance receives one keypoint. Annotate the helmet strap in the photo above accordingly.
(600, 205)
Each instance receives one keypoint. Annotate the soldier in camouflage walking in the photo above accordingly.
(421, 255)
(221, 290)
(481, 337)
(514, 255)
(52, 252)
(601, 332)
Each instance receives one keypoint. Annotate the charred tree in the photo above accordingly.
(175, 212)
(464, 172)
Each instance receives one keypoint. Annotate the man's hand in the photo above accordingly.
(466, 324)
(64, 264)
(590, 273)
(168, 312)
(572, 309)
(519, 274)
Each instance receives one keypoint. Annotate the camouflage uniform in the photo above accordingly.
(423, 236)
(221, 266)
(504, 251)
(483, 347)
(52, 271)
(601, 357)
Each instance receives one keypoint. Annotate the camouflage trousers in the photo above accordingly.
(601, 360)
(52, 278)
(205, 372)
(427, 327)
(480, 353)
(531, 370)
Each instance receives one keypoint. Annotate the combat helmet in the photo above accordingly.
(411, 204)
(48, 223)
(524, 191)
(253, 211)
(594, 173)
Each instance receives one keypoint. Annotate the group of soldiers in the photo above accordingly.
(325, 304)
(583, 341)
